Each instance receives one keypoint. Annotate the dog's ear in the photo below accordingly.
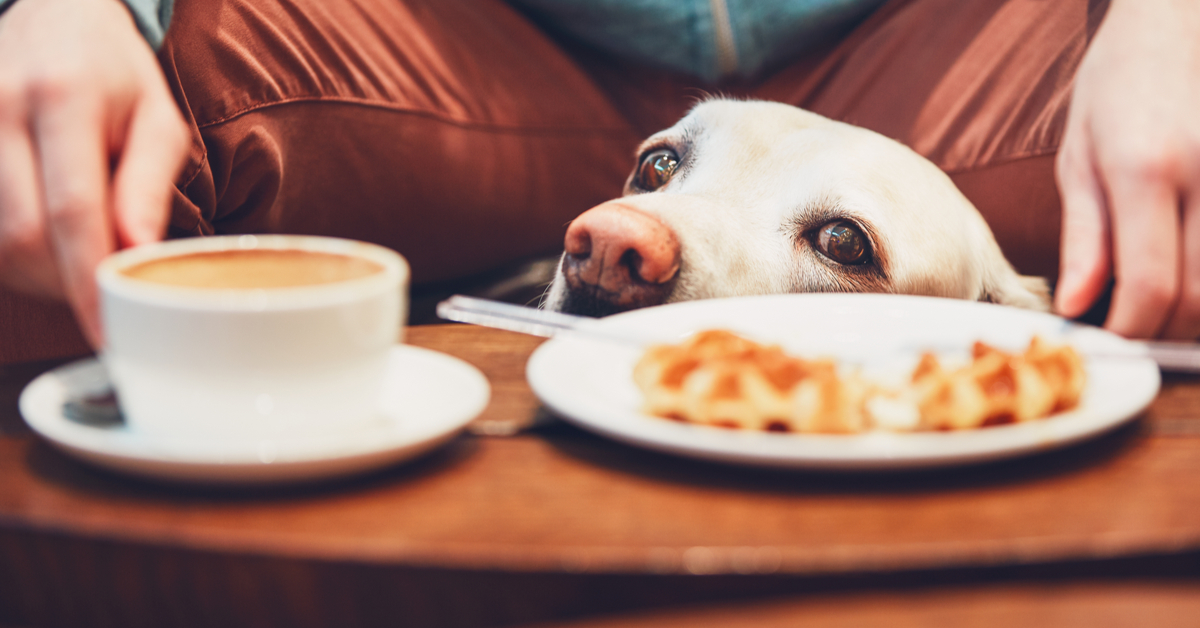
(1018, 290)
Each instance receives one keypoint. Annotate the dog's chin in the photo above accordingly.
(589, 300)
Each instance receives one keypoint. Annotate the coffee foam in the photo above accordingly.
(253, 269)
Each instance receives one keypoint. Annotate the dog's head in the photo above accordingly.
(744, 198)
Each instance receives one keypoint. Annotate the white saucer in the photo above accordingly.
(428, 398)
(590, 383)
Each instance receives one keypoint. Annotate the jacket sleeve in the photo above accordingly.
(152, 17)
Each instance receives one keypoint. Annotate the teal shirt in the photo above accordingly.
(709, 39)
(152, 17)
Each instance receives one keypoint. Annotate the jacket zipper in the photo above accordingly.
(727, 61)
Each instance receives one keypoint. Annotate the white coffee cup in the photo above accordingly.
(250, 363)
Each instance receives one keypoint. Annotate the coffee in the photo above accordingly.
(253, 268)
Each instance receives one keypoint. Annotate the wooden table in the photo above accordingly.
(553, 524)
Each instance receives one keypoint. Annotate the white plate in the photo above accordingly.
(589, 382)
(428, 398)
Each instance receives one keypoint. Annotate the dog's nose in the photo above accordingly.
(629, 255)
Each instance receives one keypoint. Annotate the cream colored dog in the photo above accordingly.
(743, 198)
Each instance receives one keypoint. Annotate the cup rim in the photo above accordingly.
(111, 281)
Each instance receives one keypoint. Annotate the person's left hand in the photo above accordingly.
(1129, 172)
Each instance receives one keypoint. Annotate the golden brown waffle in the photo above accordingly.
(719, 378)
(999, 387)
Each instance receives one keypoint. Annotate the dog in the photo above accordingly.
(753, 197)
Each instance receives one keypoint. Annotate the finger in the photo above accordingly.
(154, 151)
(1184, 323)
(74, 165)
(1086, 265)
(1146, 243)
(26, 261)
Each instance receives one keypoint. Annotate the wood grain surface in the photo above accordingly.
(554, 522)
(1061, 605)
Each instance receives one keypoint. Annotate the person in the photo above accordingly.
(465, 134)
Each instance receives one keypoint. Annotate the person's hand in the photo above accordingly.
(1129, 172)
(90, 144)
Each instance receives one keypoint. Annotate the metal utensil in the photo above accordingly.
(1177, 357)
(535, 322)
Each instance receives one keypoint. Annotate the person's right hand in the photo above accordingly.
(1129, 172)
(90, 144)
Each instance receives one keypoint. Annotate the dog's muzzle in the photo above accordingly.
(618, 258)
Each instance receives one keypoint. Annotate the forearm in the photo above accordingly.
(152, 17)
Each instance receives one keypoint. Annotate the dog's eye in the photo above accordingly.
(843, 242)
(656, 169)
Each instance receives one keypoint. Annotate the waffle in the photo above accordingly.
(721, 379)
(999, 387)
